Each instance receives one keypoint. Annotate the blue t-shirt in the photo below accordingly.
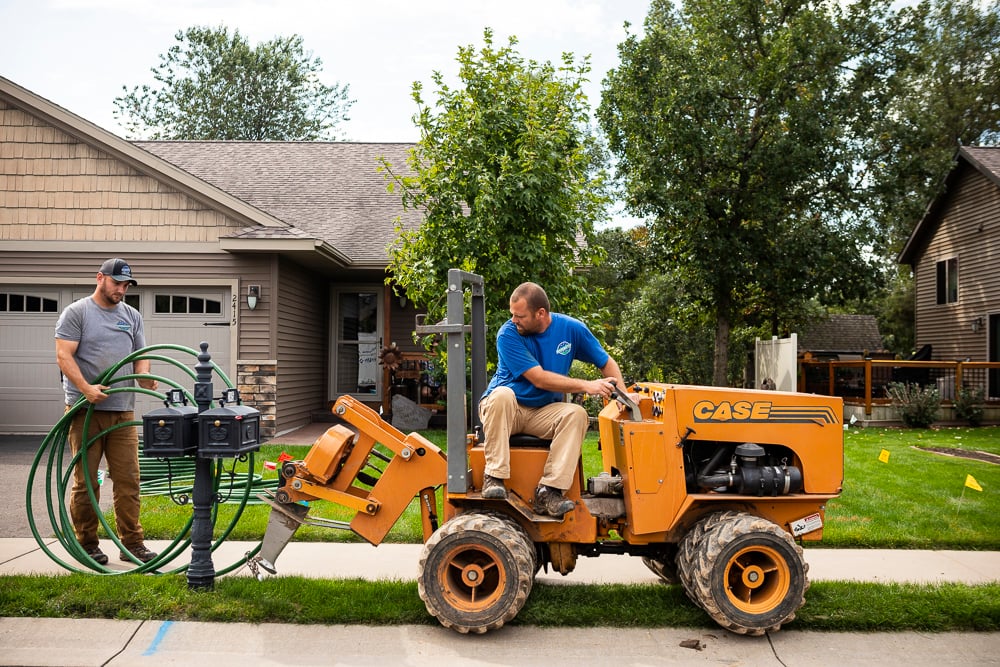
(554, 350)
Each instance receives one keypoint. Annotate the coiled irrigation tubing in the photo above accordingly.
(58, 478)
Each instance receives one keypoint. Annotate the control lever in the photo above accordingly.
(625, 400)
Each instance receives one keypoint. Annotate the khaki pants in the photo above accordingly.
(120, 448)
(565, 424)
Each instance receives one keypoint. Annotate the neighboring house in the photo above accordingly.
(841, 337)
(954, 252)
(303, 224)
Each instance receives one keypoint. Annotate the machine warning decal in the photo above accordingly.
(761, 412)
(807, 524)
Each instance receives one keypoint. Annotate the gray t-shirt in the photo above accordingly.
(105, 337)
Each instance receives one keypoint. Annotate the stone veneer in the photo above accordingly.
(257, 381)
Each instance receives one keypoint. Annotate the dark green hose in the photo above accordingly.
(58, 479)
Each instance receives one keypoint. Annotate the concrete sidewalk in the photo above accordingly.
(399, 561)
(110, 643)
(47, 641)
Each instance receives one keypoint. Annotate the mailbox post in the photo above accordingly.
(230, 430)
(201, 571)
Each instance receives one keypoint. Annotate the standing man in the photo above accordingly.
(536, 348)
(92, 335)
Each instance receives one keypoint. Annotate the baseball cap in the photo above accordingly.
(119, 270)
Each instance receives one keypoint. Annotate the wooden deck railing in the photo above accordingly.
(864, 381)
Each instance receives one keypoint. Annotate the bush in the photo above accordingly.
(918, 406)
(968, 404)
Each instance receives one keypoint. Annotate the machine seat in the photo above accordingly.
(525, 440)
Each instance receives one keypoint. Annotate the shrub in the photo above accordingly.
(918, 406)
(968, 404)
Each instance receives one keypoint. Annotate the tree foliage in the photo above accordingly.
(731, 123)
(508, 180)
(213, 86)
(945, 93)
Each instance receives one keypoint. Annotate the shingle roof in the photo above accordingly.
(330, 191)
(842, 333)
(986, 158)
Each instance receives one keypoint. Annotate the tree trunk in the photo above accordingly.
(720, 365)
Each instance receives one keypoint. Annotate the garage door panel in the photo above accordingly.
(31, 397)
(186, 329)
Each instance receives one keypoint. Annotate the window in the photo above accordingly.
(27, 303)
(947, 281)
(180, 304)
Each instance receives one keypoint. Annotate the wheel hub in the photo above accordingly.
(472, 575)
(753, 576)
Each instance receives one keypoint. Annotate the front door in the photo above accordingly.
(357, 338)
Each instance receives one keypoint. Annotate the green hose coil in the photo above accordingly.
(58, 479)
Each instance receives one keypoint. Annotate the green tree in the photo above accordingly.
(213, 86)
(621, 275)
(663, 336)
(730, 123)
(946, 93)
(895, 312)
(508, 179)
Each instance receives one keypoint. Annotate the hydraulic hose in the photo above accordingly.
(58, 478)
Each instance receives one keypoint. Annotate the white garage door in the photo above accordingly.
(31, 397)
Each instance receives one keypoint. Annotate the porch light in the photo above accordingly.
(253, 293)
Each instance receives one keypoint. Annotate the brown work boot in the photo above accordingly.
(493, 488)
(99, 556)
(552, 501)
(140, 552)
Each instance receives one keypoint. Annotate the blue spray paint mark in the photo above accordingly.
(155, 645)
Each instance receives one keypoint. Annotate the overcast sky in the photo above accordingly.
(79, 53)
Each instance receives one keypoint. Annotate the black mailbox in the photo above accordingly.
(170, 432)
(228, 431)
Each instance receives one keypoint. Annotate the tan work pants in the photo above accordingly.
(120, 448)
(565, 424)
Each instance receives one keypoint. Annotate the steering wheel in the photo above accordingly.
(626, 401)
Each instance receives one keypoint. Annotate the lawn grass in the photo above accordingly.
(830, 606)
(917, 499)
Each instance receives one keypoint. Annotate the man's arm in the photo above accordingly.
(65, 349)
(550, 381)
(141, 367)
(611, 370)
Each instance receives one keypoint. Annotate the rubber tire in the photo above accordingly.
(747, 573)
(497, 551)
(665, 569)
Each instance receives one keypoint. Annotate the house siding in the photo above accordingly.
(969, 230)
(54, 187)
(301, 323)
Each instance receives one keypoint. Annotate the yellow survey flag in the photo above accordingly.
(884, 456)
(971, 482)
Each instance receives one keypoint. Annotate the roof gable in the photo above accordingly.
(143, 162)
(984, 159)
